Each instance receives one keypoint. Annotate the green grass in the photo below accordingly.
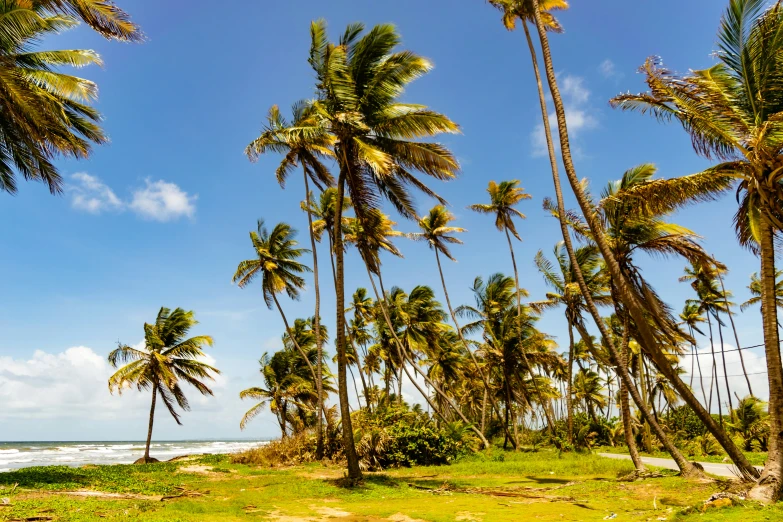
(490, 487)
(757, 458)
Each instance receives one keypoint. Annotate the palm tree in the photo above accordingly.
(276, 263)
(167, 359)
(755, 290)
(635, 307)
(101, 15)
(503, 197)
(45, 113)
(566, 292)
(691, 316)
(377, 144)
(302, 142)
(731, 113)
(588, 389)
(438, 235)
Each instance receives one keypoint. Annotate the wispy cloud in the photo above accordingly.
(163, 201)
(157, 200)
(608, 70)
(90, 194)
(580, 116)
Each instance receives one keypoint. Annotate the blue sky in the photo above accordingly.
(160, 216)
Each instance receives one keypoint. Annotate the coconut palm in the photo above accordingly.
(435, 230)
(303, 142)
(565, 291)
(636, 308)
(101, 15)
(731, 113)
(503, 198)
(588, 389)
(755, 290)
(276, 263)
(378, 143)
(692, 316)
(167, 359)
(45, 113)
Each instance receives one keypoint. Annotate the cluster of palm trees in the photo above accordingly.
(380, 149)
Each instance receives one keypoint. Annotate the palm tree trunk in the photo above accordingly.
(479, 369)
(734, 329)
(715, 372)
(152, 420)
(510, 405)
(698, 366)
(634, 306)
(358, 359)
(570, 390)
(725, 370)
(319, 382)
(349, 447)
(625, 408)
(403, 359)
(541, 399)
(484, 411)
(770, 483)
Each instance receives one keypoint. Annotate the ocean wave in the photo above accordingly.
(9, 451)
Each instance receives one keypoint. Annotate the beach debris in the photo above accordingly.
(183, 493)
(610, 516)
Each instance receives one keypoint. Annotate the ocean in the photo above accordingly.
(15, 455)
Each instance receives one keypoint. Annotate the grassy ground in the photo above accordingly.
(756, 458)
(493, 487)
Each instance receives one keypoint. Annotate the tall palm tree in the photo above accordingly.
(45, 112)
(585, 205)
(435, 230)
(276, 263)
(378, 144)
(565, 291)
(691, 316)
(303, 142)
(167, 359)
(503, 198)
(588, 388)
(731, 113)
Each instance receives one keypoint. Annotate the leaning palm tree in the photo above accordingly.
(276, 263)
(45, 113)
(378, 145)
(691, 316)
(731, 112)
(303, 142)
(167, 359)
(435, 230)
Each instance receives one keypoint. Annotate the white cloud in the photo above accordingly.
(580, 116)
(90, 194)
(73, 384)
(158, 200)
(755, 365)
(162, 201)
(609, 69)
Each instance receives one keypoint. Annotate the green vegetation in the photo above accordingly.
(488, 486)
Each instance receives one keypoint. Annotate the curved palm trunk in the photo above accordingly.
(635, 307)
(319, 380)
(354, 472)
(698, 366)
(358, 359)
(152, 420)
(734, 329)
(570, 390)
(479, 369)
(550, 424)
(770, 483)
(404, 357)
